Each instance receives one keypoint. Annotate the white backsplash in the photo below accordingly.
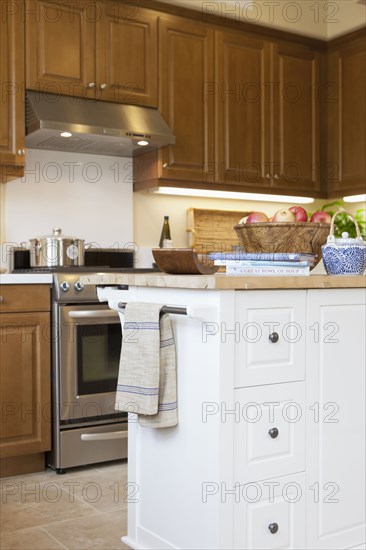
(88, 196)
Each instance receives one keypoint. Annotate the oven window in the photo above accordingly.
(99, 348)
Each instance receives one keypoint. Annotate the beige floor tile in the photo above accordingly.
(29, 539)
(36, 504)
(103, 532)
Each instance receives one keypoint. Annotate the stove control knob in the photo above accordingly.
(79, 286)
(64, 286)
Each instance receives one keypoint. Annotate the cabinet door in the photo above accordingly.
(127, 54)
(270, 515)
(12, 90)
(336, 426)
(60, 39)
(186, 99)
(270, 436)
(295, 119)
(270, 337)
(346, 108)
(242, 109)
(25, 383)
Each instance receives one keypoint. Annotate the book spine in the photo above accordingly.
(258, 263)
(276, 270)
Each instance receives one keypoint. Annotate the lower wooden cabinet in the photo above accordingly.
(25, 427)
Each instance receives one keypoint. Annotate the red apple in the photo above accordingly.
(321, 217)
(284, 216)
(299, 213)
(255, 217)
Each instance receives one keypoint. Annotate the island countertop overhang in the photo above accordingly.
(225, 282)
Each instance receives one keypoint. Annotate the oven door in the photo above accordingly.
(90, 339)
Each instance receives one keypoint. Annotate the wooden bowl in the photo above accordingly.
(181, 261)
(304, 237)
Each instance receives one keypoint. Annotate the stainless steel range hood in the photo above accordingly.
(96, 127)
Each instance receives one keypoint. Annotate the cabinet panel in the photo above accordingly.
(336, 428)
(270, 438)
(12, 90)
(186, 101)
(263, 507)
(127, 54)
(25, 383)
(346, 110)
(24, 298)
(271, 340)
(60, 40)
(242, 109)
(295, 118)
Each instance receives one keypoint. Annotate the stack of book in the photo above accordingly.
(264, 263)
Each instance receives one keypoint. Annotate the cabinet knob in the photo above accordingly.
(21, 152)
(103, 86)
(276, 177)
(273, 527)
(273, 337)
(165, 165)
(268, 176)
(91, 85)
(273, 432)
(1, 299)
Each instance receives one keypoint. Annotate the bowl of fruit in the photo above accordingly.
(288, 230)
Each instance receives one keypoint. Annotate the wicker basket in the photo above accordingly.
(304, 237)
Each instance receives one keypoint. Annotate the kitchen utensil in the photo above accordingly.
(344, 256)
(56, 250)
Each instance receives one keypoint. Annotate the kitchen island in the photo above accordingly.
(269, 451)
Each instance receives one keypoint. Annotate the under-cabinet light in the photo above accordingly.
(355, 198)
(66, 134)
(231, 195)
(143, 143)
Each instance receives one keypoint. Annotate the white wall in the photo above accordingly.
(88, 196)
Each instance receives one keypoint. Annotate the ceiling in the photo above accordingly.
(317, 18)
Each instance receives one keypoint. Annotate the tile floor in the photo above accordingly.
(83, 509)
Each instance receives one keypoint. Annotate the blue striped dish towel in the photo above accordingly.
(147, 381)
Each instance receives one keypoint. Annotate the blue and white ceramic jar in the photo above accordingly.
(344, 256)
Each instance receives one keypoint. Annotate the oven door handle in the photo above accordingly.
(104, 435)
(91, 313)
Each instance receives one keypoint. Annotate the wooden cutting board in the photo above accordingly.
(212, 230)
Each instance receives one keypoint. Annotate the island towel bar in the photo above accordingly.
(164, 309)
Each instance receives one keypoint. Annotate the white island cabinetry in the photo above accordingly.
(269, 450)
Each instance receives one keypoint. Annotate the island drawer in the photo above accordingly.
(271, 514)
(24, 298)
(270, 431)
(270, 337)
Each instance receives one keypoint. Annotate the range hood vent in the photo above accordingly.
(96, 127)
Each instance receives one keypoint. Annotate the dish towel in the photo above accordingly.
(147, 380)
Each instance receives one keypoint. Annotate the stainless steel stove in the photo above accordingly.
(86, 346)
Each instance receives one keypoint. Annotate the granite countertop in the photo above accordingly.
(25, 278)
(226, 282)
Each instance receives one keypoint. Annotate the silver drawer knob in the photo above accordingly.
(1, 299)
(103, 86)
(91, 85)
(273, 527)
(273, 337)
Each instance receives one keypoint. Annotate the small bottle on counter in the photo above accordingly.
(165, 238)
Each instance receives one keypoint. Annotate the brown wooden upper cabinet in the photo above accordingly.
(12, 91)
(345, 100)
(244, 111)
(186, 103)
(106, 50)
(267, 114)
